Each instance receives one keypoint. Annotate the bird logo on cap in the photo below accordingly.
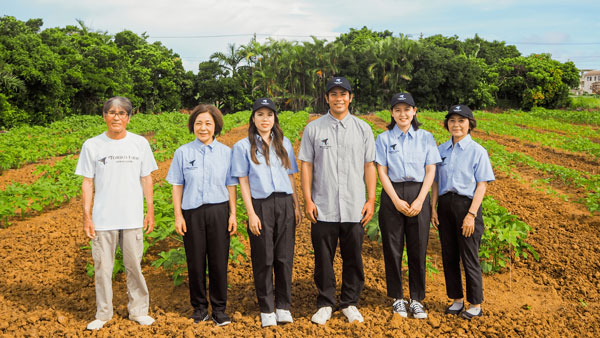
(457, 108)
(401, 97)
(338, 80)
(264, 101)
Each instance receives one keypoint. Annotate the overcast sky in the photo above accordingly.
(196, 28)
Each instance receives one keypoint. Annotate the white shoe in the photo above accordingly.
(352, 313)
(416, 308)
(284, 316)
(399, 307)
(322, 315)
(143, 320)
(96, 324)
(268, 319)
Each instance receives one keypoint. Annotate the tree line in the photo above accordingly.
(48, 74)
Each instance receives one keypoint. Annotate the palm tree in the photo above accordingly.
(231, 60)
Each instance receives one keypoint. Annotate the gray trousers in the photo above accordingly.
(104, 247)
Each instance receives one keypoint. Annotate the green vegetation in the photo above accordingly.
(503, 237)
(585, 102)
(46, 75)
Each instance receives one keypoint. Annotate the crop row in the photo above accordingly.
(579, 117)
(529, 120)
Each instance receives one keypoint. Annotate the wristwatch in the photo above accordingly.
(470, 213)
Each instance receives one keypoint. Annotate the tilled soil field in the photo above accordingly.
(44, 290)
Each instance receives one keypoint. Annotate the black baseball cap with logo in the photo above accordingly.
(460, 109)
(264, 102)
(402, 98)
(339, 81)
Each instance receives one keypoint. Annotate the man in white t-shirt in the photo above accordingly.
(118, 166)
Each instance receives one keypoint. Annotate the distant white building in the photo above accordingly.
(590, 82)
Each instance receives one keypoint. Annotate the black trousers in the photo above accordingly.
(452, 209)
(325, 236)
(395, 228)
(273, 251)
(207, 238)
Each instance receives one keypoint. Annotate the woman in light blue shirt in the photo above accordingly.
(265, 164)
(461, 181)
(406, 157)
(204, 200)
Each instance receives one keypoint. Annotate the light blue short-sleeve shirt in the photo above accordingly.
(406, 155)
(338, 151)
(263, 179)
(463, 166)
(204, 172)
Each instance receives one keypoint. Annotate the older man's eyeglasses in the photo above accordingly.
(121, 114)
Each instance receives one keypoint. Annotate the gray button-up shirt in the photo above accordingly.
(338, 151)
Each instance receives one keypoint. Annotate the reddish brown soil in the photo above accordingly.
(44, 290)
(25, 174)
(574, 160)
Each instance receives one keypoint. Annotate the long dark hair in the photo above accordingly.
(276, 141)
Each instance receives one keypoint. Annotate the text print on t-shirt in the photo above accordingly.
(119, 159)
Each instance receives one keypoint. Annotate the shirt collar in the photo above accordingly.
(397, 133)
(343, 122)
(259, 138)
(200, 145)
(464, 143)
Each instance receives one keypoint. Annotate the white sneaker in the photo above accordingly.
(399, 307)
(268, 319)
(352, 313)
(143, 320)
(417, 309)
(322, 315)
(96, 324)
(284, 316)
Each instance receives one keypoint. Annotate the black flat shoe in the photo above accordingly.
(454, 312)
(469, 316)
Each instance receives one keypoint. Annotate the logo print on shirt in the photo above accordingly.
(192, 162)
(393, 148)
(325, 143)
(102, 160)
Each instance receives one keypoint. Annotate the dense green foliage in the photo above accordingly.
(48, 74)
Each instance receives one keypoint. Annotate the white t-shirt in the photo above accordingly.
(116, 167)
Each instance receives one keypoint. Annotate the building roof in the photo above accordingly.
(593, 72)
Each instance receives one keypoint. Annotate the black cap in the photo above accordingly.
(264, 102)
(460, 109)
(339, 81)
(402, 98)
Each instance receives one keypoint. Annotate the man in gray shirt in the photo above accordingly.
(338, 154)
